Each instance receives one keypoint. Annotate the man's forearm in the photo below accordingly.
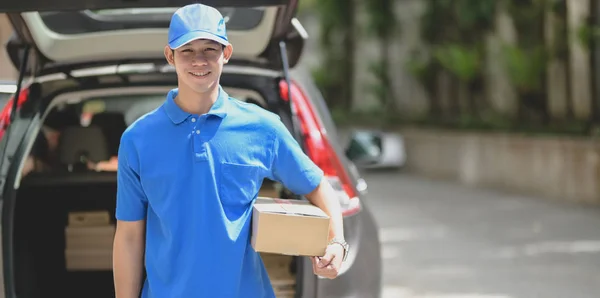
(128, 258)
(325, 198)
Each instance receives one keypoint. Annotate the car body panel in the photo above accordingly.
(361, 273)
(138, 30)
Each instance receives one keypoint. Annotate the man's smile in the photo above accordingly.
(200, 74)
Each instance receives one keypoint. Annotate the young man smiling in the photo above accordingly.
(190, 171)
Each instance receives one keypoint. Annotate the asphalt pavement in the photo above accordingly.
(444, 240)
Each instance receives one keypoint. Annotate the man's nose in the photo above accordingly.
(200, 59)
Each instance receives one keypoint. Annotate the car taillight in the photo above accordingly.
(319, 149)
(5, 113)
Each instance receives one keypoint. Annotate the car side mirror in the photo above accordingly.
(364, 148)
(375, 149)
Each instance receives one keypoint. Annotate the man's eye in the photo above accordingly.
(209, 49)
(186, 50)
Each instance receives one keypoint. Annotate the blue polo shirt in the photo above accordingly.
(195, 178)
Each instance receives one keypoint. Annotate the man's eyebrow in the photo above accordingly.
(212, 43)
(205, 43)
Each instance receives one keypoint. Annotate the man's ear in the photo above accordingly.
(227, 52)
(169, 55)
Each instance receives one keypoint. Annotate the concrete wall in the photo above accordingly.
(555, 167)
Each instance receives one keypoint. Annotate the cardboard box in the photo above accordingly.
(89, 218)
(269, 192)
(289, 227)
(282, 278)
(88, 259)
(91, 237)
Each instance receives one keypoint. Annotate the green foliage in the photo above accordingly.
(421, 66)
(381, 88)
(307, 6)
(382, 20)
(587, 34)
(382, 23)
(327, 81)
(333, 18)
(528, 16)
(462, 61)
(434, 20)
(474, 15)
(526, 67)
(457, 20)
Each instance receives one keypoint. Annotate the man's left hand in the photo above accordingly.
(329, 265)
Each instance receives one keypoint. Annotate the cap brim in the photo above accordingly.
(194, 35)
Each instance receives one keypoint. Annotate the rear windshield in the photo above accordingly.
(131, 107)
(77, 22)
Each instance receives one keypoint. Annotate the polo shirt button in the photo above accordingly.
(193, 119)
(198, 132)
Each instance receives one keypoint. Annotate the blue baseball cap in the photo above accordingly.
(196, 21)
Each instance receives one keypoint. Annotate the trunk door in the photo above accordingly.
(75, 32)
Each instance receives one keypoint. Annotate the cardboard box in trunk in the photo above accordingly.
(89, 218)
(88, 259)
(93, 237)
(289, 227)
(280, 274)
(89, 238)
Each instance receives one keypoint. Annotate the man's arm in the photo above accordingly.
(325, 198)
(132, 205)
(128, 258)
(297, 172)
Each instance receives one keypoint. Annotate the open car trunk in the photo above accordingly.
(58, 254)
(59, 258)
(63, 35)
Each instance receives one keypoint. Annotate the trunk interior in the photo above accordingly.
(49, 265)
(54, 257)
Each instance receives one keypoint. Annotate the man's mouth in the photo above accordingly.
(200, 74)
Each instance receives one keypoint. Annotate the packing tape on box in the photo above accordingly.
(282, 203)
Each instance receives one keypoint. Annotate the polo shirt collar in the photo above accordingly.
(177, 115)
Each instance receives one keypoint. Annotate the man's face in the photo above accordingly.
(199, 63)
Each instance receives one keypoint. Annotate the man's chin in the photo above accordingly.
(202, 88)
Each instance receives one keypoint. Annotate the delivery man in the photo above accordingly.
(188, 175)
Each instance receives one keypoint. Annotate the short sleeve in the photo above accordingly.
(131, 199)
(290, 165)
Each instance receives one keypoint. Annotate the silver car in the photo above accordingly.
(102, 62)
